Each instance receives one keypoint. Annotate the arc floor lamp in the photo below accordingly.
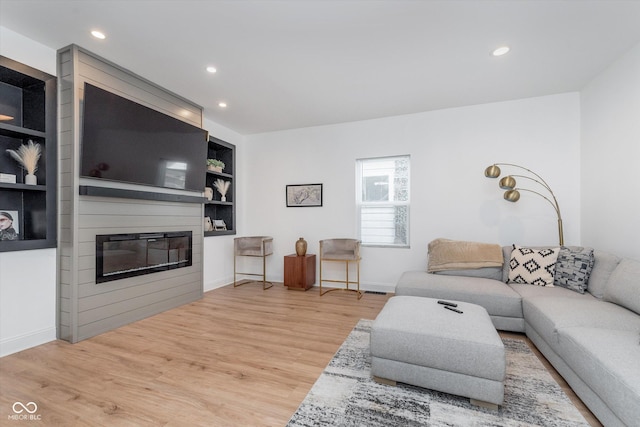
(512, 193)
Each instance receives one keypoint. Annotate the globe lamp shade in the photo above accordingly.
(492, 171)
(512, 195)
(508, 183)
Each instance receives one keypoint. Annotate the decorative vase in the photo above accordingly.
(223, 198)
(301, 247)
(208, 226)
(30, 179)
(208, 193)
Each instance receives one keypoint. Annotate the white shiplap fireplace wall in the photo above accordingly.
(85, 308)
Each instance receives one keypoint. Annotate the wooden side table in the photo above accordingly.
(299, 271)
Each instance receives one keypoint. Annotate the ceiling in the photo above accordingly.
(299, 63)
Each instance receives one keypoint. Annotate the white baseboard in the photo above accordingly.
(13, 345)
(378, 287)
(217, 284)
(373, 287)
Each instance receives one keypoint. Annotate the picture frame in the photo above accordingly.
(304, 195)
(15, 225)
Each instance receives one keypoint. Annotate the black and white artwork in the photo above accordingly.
(9, 225)
(304, 195)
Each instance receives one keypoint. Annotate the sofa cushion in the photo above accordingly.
(547, 315)
(603, 266)
(528, 291)
(506, 253)
(623, 287)
(494, 273)
(532, 266)
(608, 362)
(496, 297)
(573, 268)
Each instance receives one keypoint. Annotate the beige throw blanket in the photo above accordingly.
(445, 254)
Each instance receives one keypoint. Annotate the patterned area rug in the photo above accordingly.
(345, 395)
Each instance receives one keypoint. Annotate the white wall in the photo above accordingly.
(27, 299)
(450, 197)
(27, 278)
(22, 49)
(610, 158)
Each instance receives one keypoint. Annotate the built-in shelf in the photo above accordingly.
(216, 209)
(22, 187)
(220, 174)
(20, 132)
(29, 109)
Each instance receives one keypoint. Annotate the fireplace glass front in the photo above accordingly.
(127, 255)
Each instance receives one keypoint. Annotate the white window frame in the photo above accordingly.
(360, 203)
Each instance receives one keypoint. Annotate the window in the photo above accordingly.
(382, 188)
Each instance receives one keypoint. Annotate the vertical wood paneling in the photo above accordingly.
(65, 304)
(85, 308)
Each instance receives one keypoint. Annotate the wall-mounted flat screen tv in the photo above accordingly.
(129, 142)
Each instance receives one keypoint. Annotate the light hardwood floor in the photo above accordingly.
(238, 357)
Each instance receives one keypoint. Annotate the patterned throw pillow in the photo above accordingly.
(532, 266)
(573, 268)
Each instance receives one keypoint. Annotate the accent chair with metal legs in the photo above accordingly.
(253, 246)
(341, 250)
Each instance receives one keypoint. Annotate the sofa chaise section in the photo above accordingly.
(607, 361)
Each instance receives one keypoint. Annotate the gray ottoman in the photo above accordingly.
(417, 341)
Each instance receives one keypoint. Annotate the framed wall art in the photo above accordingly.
(9, 225)
(304, 195)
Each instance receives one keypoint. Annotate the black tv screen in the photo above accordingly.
(128, 142)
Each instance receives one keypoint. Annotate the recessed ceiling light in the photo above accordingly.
(98, 34)
(211, 69)
(501, 51)
(222, 104)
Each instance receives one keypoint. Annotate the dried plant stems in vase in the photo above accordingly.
(28, 156)
(222, 186)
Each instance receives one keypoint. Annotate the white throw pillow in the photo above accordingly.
(532, 266)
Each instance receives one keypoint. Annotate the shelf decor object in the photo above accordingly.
(215, 165)
(208, 193)
(301, 247)
(512, 193)
(28, 156)
(222, 186)
(9, 227)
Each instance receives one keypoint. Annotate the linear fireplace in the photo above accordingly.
(126, 255)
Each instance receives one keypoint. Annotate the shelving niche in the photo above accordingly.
(28, 112)
(216, 209)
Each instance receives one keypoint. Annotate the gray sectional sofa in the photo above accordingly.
(591, 338)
